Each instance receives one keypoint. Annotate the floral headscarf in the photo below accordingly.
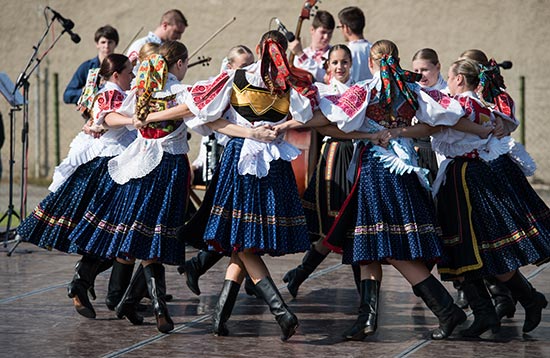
(86, 100)
(278, 75)
(390, 71)
(151, 77)
(491, 80)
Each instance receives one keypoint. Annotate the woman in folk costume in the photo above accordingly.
(426, 62)
(238, 57)
(328, 186)
(140, 218)
(492, 86)
(389, 209)
(256, 208)
(493, 222)
(82, 175)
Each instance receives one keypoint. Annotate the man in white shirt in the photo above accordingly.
(172, 26)
(352, 23)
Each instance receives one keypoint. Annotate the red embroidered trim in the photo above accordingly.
(204, 94)
(352, 99)
(110, 100)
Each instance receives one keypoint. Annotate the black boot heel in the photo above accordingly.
(367, 321)
(440, 302)
(224, 307)
(196, 267)
(532, 301)
(485, 316)
(85, 272)
(128, 305)
(156, 285)
(288, 322)
(295, 277)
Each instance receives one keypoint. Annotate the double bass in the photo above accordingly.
(304, 139)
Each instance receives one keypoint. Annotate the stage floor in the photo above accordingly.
(38, 319)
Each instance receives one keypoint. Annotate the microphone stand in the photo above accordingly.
(23, 82)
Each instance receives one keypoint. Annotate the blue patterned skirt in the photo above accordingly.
(492, 220)
(140, 218)
(51, 222)
(263, 214)
(385, 216)
(328, 187)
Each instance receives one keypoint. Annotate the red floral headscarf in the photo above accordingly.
(278, 75)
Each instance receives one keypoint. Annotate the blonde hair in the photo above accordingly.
(147, 50)
(236, 51)
(476, 55)
(426, 54)
(469, 69)
(384, 47)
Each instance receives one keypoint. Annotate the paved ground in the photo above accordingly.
(38, 318)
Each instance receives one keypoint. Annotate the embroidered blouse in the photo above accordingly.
(241, 97)
(146, 152)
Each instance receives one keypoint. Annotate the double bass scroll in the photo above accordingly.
(304, 139)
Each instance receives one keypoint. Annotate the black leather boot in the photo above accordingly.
(532, 301)
(103, 266)
(197, 266)
(298, 275)
(485, 316)
(156, 285)
(85, 273)
(224, 307)
(461, 300)
(505, 304)
(118, 283)
(285, 318)
(367, 321)
(249, 287)
(440, 302)
(127, 307)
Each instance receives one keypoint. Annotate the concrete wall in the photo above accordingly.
(506, 29)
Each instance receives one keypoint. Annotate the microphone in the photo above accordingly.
(289, 35)
(74, 37)
(66, 23)
(505, 65)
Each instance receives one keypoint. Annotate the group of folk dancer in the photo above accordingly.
(414, 172)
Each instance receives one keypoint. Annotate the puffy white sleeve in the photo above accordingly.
(208, 100)
(106, 102)
(301, 107)
(436, 108)
(348, 110)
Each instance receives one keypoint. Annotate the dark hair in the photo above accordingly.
(172, 51)
(107, 31)
(172, 16)
(276, 36)
(323, 19)
(426, 54)
(352, 17)
(337, 47)
(115, 62)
